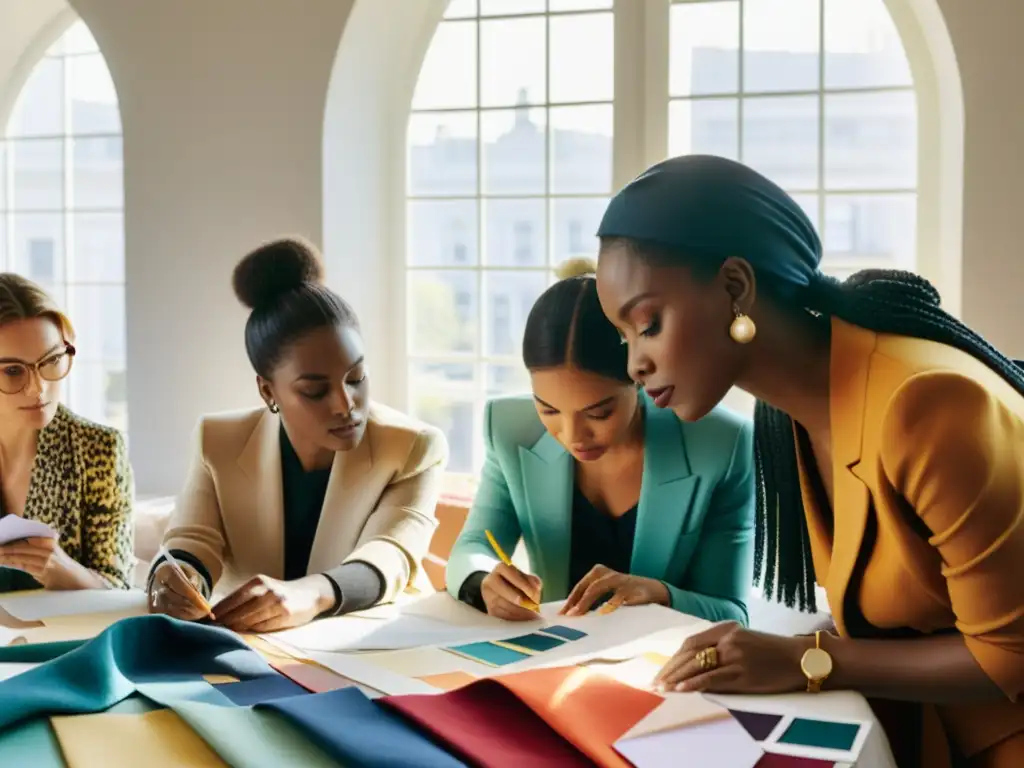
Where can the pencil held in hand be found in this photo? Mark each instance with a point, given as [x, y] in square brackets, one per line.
[183, 585]
[526, 585]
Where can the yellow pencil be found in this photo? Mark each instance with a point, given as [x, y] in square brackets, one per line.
[526, 603]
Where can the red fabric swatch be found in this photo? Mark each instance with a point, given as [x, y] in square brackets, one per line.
[771, 760]
[565, 716]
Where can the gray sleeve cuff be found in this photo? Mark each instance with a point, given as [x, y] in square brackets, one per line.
[357, 586]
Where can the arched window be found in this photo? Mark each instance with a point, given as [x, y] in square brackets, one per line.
[510, 162]
[511, 154]
[61, 211]
[818, 96]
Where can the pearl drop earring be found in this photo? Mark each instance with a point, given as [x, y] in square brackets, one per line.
[742, 330]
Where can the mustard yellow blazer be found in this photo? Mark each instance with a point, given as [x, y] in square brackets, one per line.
[928, 467]
[379, 506]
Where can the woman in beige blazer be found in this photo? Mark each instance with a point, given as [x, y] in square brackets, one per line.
[320, 503]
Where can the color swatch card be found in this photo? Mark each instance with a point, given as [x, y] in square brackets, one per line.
[500, 653]
[832, 741]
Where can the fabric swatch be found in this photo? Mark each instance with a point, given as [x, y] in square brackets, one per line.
[31, 744]
[489, 653]
[261, 689]
[535, 643]
[449, 681]
[771, 760]
[566, 633]
[221, 679]
[244, 736]
[758, 724]
[109, 668]
[158, 739]
[367, 727]
[820, 733]
[562, 716]
[39, 652]
[312, 677]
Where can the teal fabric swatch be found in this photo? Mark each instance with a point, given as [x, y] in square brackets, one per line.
[32, 743]
[821, 733]
[248, 738]
[37, 653]
[109, 668]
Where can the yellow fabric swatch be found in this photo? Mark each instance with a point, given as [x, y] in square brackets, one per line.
[158, 739]
[219, 679]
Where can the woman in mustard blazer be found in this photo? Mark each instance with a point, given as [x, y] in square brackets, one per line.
[890, 454]
[320, 503]
[612, 496]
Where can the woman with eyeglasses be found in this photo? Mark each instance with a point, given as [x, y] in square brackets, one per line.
[55, 467]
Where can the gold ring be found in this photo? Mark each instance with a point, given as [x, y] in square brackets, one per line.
[707, 658]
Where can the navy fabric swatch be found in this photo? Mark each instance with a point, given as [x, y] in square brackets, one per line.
[261, 689]
[370, 736]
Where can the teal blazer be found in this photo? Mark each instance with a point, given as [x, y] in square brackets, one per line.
[695, 522]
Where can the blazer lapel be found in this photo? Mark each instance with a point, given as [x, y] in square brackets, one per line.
[350, 498]
[547, 470]
[260, 461]
[851, 348]
[666, 494]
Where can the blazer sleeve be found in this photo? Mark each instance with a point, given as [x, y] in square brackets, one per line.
[720, 576]
[492, 511]
[398, 531]
[196, 527]
[953, 451]
[108, 533]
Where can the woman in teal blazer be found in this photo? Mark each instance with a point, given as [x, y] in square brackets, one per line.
[612, 496]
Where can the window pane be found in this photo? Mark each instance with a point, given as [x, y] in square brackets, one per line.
[93, 99]
[513, 151]
[862, 46]
[507, 380]
[442, 154]
[441, 233]
[871, 141]
[780, 139]
[509, 299]
[515, 232]
[448, 76]
[513, 60]
[581, 150]
[99, 392]
[4, 266]
[39, 110]
[38, 251]
[574, 222]
[460, 9]
[582, 57]
[38, 169]
[780, 45]
[97, 312]
[78, 39]
[872, 230]
[98, 173]
[510, 7]
[578, 5]
[704, 126]
[98, 255]
[443, 394]
[444, 311]
[704, 45]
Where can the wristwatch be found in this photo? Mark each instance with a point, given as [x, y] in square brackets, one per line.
[816, 664]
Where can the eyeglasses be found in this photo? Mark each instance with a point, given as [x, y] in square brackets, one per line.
[15, 375]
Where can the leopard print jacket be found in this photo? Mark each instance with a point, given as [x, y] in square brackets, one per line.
[82, 487]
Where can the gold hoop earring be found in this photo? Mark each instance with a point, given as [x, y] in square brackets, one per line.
[274, 407]
[742, 330]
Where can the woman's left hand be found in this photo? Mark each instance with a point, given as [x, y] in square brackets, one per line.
[264, 604]
[45, 561]
[624, 588]
[747, 662]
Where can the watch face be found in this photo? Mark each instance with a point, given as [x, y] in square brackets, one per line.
[816, 664]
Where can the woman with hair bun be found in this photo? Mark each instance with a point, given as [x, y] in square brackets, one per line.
[322, 502]
[614, 499]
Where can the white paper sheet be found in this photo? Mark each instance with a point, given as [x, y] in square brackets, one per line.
[8, 635]
[371, 676]
[14, 528]
[12, 669]
[46, 605]
[722, 743]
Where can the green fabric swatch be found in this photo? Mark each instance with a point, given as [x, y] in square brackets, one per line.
[32, 743]
[247, 738]
[821, 733]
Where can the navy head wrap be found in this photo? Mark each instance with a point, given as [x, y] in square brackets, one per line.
[707, 207]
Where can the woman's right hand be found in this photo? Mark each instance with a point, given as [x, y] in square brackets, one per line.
[174, 596]
[511, 594]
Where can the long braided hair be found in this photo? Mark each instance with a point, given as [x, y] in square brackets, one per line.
[696, 210]
[884, 301]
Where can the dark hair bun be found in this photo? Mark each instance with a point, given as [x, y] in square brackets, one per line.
[274, 269]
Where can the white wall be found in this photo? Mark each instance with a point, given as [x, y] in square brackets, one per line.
[223, 113]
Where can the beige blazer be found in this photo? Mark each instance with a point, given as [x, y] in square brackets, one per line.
[379, 507]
